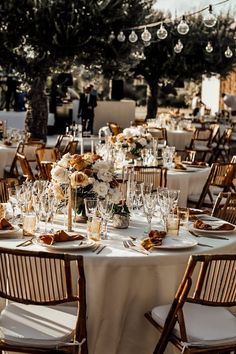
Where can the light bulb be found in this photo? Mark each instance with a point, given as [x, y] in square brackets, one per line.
[111, 37]
[133, 37]
[121, 37]
[209, 20]
[178, 47]
[146, 35]
[162, 32]
[209, 48]
[228, 53]
[183, 27]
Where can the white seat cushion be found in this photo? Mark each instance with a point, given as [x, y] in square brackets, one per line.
[44, 326]
[204, 324]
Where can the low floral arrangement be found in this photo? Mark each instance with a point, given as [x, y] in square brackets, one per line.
[134, 140]
[88, 174]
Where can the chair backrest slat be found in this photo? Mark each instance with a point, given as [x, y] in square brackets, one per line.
[36, 277]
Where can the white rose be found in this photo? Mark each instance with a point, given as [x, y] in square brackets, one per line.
[101, 188]
[100, 165]
[64, 161]
[105, 176]
[60, 174]
[115, 195]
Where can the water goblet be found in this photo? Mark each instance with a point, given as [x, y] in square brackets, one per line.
[91, 205]
[149, 207]
[105, 208]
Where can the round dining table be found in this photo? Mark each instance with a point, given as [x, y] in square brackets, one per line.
[123, 283]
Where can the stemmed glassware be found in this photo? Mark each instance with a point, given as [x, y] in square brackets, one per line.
[167, 201]
[105, 208]
[149, 207]
[91, 205]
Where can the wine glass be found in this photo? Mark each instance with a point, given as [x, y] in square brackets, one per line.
[91, 205]
[105, 208]
[149, 207]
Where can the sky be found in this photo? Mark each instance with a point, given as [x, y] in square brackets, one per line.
[184, 6]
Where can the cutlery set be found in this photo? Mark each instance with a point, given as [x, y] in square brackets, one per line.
[98, 248]
[132, 246]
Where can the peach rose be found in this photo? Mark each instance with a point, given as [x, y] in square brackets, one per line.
[79, 179]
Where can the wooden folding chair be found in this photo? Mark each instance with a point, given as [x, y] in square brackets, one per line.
[25, 167]
[38, 284]
[225, 207]
[154, 176]
[201, 142]
[199, 320]
[114, 128]
[159, 134]
[4, 195]
[45, 158]
[62, 142]
[219, 179]
[71, 147]
[222, 149]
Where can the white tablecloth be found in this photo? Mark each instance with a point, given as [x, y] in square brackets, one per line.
[7, 154]
[187, 182]
[179, 138]
[123, 284]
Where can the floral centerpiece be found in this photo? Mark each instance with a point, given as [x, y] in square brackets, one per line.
[134, 140]
[88, 174]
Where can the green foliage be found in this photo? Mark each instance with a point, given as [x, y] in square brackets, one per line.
[121, 209]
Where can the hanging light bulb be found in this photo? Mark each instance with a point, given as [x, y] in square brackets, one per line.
[121, 37]
[228, 53]
[209, 47]
[183, 27]
[133, 37]
[178, 47]
[162, 32]
[111, 37]
[210, 19]
[146, 35]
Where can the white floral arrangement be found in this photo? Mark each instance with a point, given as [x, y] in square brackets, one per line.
[88, 173]
[133, 139]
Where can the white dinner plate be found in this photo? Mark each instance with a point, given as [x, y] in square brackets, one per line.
[175, 243]
[8, 232]
[69, 245]
[213, 231]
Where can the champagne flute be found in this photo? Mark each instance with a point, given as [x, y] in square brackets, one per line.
[105, 208]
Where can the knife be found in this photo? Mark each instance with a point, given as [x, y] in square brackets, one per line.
[204, 245]
[140, 250]
[209, 236]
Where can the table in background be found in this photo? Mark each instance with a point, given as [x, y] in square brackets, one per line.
[179, 138]
[123, 284]
[187, 182]
[7, 154]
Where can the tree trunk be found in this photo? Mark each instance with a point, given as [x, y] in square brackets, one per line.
[152, 100]
[37, 112]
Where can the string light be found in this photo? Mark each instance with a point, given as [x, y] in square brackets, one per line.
[183, 27]
[133, 37]
[112, 36]
[162, 32]
[146, 35]
[121, 37]
[209, 48]
[228, 53]
[209, 20]
[178, 47]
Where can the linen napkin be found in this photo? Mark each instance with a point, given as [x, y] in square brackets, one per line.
[59, 236]
[5, 225]
[199, 224]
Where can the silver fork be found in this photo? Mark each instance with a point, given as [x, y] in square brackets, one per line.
[132, 246]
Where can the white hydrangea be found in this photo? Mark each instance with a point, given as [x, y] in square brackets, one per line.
[142, 141]
[101, 188]
[115, 195]
[105, 176]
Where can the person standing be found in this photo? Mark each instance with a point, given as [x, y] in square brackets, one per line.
[196, 105]
[88, 102]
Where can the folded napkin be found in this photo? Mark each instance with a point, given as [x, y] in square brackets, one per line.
[180, 166]
[59, 236]
[199, 224]
[154, 238]
[5, 225]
